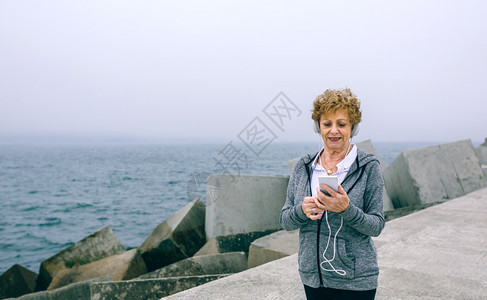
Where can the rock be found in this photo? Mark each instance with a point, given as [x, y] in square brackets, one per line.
[75, 291]
[17, 281]
[147, 288]
[231, 243]
[226, 263]
[100, 244]
[177, 238]
[104, 288]
[366, 146]
[273, 246]
[481, 152]
[245, 203]
[433, 174]
[484, 170]
[122, 266]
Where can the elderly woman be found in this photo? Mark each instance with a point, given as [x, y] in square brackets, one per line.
[337, 257]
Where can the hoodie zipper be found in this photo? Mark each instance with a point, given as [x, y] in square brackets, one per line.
[318, 251]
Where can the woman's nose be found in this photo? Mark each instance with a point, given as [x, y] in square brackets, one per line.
[334, 129]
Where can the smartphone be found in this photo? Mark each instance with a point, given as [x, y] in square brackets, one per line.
[331, 181]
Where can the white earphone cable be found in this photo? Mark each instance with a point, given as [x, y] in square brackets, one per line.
[333, 269]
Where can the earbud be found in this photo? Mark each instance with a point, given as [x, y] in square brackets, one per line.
[355, 129]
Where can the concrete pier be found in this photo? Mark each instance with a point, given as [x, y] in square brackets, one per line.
[437, 253]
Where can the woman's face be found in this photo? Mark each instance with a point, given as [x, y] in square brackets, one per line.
[336, 129]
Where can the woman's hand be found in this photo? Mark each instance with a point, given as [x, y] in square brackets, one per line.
[337, 201]
[310, 209]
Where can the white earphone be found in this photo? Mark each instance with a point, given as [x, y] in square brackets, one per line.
[355, 129]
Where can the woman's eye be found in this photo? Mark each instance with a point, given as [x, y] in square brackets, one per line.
[326, 124]
[342, 125]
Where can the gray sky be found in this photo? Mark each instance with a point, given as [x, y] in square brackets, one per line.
[203, 70]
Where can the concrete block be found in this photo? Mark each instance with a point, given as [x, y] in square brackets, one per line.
[231, 243]
[273, 246]
[144, 289]
[177, 238]
[367, 146]
[481, 152]
[226, 263]
[122, 266]
[100, 244]
[386, 201]
[432, 174]
[246, 203]
[17, 281]
[75, 291]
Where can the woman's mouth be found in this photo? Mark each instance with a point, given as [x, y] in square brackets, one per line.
[334, 139]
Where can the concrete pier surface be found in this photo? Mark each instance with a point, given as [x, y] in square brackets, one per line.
[437, 253]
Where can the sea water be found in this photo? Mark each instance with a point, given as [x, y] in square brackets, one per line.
[53, 195]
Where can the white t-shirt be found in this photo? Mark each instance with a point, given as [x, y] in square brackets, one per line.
[342, 168]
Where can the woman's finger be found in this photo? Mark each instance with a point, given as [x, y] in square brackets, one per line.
[342, 191]
[320, 205]
[322, 197]
[330, 191]
[314, 217]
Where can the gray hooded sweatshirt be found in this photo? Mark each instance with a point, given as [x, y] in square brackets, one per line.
[350, 261]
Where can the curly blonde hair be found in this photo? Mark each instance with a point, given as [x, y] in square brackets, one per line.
[333, 100]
